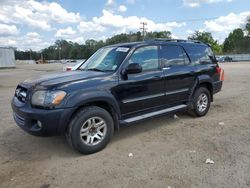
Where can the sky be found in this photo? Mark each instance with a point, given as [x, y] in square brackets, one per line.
[30, 24]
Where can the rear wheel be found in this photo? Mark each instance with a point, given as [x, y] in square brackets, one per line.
[90, 130]
[200, 102]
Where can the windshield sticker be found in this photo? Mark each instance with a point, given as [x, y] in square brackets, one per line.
[122, 49]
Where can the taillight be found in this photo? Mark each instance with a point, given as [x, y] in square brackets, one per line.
[68, 69]
[220, 71]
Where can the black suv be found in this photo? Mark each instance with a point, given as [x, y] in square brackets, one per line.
[119, 84]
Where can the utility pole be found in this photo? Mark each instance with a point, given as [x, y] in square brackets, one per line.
[30, 54]
[144, 29]
[59, 51]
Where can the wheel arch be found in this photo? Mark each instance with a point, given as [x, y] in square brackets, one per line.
[202, 81]
[102, 103]
[209, 86]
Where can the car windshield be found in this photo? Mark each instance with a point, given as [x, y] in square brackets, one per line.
[106, 59]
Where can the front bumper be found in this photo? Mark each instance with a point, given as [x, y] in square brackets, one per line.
[54, 122]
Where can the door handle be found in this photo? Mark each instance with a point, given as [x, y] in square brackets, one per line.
[165, 68]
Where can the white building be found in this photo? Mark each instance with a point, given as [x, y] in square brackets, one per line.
[7, 57]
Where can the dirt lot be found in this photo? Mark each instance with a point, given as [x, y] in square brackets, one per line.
[167, 152]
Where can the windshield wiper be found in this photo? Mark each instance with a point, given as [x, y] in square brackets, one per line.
[95, 69]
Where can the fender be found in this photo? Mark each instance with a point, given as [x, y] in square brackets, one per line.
[76, 100]
[204, 78]
[200, 80]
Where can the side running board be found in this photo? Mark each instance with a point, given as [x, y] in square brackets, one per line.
[151, 114]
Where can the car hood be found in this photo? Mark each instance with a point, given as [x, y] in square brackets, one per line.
[62, 77]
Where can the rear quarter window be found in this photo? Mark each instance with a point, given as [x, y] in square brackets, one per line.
[200, 54]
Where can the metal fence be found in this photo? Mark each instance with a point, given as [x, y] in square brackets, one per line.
[236, 57]
[7, 58]
[25, 61]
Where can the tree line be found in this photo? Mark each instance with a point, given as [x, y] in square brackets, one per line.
[237, 42]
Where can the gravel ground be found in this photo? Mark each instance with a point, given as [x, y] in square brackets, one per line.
[167, 152]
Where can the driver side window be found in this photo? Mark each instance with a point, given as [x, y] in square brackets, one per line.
[147, 57]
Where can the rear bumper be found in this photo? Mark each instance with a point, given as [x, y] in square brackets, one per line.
[53, 122]
[217, 86]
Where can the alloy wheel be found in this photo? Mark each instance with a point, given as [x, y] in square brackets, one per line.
[93, 131]
[202, 102]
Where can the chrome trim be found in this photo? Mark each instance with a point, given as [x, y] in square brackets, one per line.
[23, 94]
[166, 68]
[143, 98]
[129, 120]
[177, 91]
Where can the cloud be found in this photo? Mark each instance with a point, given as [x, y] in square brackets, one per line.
[110, 2]
[61, 15]
[174, 36]
[79, 40]
[65, 32]
[189, 31]
[30, 40]
[36, 14]
[33, 35]
[110, 21]
[89, 27]
[113, 6]
[131, 1]
[122, 8]
[7, 42]
[226, 24]
[197, 3]
[109, 24]
[8, 30]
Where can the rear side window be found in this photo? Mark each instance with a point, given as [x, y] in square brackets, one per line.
[173, 56]
[200, 54]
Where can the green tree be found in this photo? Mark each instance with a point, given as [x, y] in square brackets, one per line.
[63, 49]
[207, 37]
[248, 26]
[235, 42]
[118, 39]
[161, 34]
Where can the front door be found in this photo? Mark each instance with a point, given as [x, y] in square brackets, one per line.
[142, 91]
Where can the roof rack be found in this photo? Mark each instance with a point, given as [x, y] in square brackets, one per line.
[177, 40]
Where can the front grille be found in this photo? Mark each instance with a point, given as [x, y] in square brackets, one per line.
[21, 93]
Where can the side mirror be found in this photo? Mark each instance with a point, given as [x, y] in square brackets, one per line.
[133, 68]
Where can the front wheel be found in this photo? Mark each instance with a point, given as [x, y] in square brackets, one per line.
[200, 102]
[90, 130]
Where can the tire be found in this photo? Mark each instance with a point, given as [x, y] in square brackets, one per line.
[201, 97]
[90, 130]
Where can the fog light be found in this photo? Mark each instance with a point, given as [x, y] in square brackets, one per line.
[39, 124]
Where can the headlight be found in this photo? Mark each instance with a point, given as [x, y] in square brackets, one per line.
[47, 98]
[38, 98]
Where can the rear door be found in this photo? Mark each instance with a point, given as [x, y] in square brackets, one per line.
[178, 72]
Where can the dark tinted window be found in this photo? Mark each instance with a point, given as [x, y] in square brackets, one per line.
[174, 56]
[147, 57]
[200, 54]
